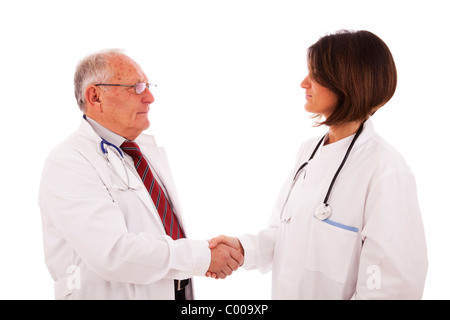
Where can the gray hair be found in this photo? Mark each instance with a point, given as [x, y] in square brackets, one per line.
[92, 69]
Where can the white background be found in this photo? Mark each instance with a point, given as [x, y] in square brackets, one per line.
[229, 110]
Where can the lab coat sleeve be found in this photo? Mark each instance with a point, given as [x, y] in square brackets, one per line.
[259, 248]
[79, 208]
[393, 259]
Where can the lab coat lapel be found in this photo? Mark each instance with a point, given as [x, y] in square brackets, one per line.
[87, 130]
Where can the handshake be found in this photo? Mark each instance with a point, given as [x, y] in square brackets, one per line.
[227, 255]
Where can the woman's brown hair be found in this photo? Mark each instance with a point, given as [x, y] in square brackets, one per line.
[359, 68]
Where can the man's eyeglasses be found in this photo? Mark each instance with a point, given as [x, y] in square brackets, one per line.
[139, 87]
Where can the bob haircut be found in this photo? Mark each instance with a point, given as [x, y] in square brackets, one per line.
[359, 68]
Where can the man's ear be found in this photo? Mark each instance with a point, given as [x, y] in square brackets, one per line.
[93, 98]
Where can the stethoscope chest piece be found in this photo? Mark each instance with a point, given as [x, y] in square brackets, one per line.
[323, 211]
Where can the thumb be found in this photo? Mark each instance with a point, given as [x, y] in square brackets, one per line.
[214, 242]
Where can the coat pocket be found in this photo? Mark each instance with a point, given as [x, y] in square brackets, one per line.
[330, 249]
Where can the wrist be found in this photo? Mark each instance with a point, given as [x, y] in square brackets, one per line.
[240, 247]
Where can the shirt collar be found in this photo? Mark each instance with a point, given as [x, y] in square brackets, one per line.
[105, 133]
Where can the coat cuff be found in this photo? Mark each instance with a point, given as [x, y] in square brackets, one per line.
[201, 255]
[249, 251]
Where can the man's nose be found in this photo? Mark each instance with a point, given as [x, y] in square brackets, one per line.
[148, 96]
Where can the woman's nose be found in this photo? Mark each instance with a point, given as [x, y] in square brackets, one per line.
[306, 83]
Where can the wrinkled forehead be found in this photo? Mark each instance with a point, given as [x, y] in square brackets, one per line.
[125, 69]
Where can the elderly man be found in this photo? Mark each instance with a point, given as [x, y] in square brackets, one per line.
[112, 224]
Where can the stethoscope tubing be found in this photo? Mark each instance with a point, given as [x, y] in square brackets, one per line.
[126, 180]
[102, 146]
[323, 211]
[327, 196]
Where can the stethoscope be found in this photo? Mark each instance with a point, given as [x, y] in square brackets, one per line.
[129, 178]
[323, 210]
[116, 161]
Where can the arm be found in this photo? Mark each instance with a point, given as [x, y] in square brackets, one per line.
[79, 212]
[256, 250]
[393, 260]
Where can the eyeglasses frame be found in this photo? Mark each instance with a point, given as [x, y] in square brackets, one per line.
[125, 85]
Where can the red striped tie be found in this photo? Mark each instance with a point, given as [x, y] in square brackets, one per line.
[168, 217]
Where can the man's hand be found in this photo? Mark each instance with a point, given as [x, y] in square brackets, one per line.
[235, 251]
[229, 241]
[224, 260]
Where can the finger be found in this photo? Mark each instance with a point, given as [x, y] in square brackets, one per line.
[212, 243]
[237, 256]
[227, 270]
[233, 264]
[221, 275]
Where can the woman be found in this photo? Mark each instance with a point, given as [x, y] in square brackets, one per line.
[347, 224]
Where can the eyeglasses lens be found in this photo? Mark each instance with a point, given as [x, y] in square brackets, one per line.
[140, 87]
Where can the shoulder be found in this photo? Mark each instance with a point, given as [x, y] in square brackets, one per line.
[81, 142]
[383, 156]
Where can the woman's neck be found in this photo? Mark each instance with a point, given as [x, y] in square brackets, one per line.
[338, 132]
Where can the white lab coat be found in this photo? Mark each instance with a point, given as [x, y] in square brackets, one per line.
[372, 246]
[103, 243]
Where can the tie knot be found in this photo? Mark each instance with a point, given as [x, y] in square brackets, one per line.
[131, 148]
